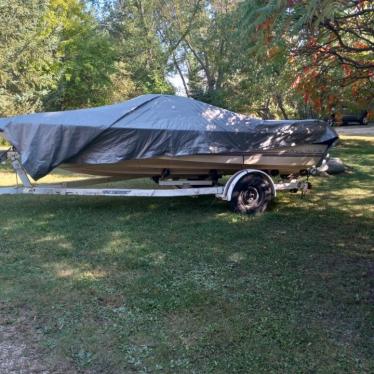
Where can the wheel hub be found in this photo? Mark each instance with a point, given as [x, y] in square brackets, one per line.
[250, 196]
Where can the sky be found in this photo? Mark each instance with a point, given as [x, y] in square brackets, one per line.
[177, 83]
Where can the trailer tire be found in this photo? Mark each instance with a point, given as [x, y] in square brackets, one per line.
[252, 194]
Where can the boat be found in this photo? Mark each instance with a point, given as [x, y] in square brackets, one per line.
[284, 161]
[165, 137]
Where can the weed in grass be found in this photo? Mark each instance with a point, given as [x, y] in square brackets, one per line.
[183, 285]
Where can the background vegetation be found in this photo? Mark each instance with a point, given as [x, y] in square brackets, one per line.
[270, 58]
[184, 286]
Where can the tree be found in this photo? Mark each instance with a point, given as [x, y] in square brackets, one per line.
[278, 58]
[132, 25]
[84, 57]
[25, 57]
[197, 34]
[332, 42]
[54, 56]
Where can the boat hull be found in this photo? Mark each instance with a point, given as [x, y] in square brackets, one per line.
[290, 160]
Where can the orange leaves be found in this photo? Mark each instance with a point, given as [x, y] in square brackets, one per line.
[314, 99]
[355, 88]
[273, 51]
[265, 27]
[347, 70]
[310, 72]
[296, 82]
[331, 100]
[306, 80]
[315, 58]
[312, 42]
[360, 45]
[311, 88]
[317, 103]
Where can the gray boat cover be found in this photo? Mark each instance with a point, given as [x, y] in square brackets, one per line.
[148, 126]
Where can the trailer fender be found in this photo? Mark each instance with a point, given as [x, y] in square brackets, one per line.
[230, 184]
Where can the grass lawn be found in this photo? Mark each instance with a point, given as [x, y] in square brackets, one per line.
[122, 285]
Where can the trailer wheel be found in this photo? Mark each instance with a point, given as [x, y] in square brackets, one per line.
[251, 195]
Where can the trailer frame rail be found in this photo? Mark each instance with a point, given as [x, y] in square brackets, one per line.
[179, 187]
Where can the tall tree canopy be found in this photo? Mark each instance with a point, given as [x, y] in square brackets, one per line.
[278, 58]
[24, 56]
[331, 42]
[53, 56]
[84, 57]
[133, 26]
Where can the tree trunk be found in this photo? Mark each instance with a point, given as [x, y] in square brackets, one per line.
[181, 74]
[279, 102]
[204, 66]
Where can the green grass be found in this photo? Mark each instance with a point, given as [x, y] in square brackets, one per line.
[183, 285]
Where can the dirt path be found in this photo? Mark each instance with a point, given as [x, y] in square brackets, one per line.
[21, 351]
[16, 356]
[356, 130]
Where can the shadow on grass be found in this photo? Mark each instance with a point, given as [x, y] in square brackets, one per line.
[189, 285]
[183, 285]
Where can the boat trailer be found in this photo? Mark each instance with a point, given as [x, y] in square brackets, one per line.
[247, 191]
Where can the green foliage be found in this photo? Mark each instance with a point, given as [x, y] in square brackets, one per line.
[24, 58]
[3, 142]
[206, 45]
[133, 27]
[86, 57]
[277, 58]
[331, 44]
[56, 55]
